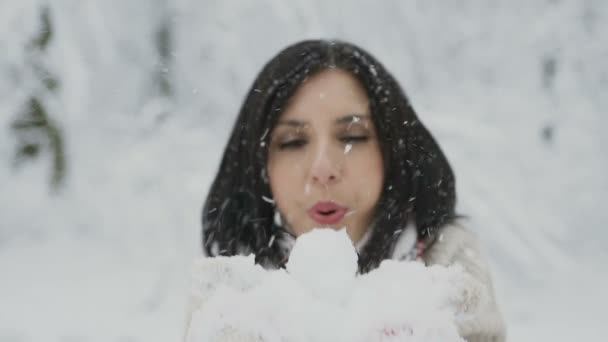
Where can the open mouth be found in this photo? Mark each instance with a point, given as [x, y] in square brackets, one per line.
[327, 212]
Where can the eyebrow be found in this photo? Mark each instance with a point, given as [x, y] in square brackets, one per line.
[352, 118]
[348, 119]
[293, 123]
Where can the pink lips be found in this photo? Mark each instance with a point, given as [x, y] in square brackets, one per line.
[327, 212]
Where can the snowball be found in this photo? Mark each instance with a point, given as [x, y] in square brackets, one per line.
[325, 261]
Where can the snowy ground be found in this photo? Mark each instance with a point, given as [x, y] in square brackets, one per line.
[107, 258]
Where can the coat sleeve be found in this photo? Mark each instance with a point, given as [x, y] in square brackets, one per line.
[457, 245]
[238, 273]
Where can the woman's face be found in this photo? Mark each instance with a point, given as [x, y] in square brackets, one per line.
[324, 164]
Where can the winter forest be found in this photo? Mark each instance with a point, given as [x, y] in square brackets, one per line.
[114, 116]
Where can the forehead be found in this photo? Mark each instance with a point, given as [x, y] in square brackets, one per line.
[327, 95]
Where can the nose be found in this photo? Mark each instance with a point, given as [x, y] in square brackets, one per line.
[325, 168]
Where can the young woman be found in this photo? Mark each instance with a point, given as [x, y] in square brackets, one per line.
[327, 138]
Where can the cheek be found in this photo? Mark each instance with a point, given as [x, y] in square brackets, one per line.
[286, 186]
[284, 182]
[367, 172]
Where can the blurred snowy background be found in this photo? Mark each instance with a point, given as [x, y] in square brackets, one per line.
[114, 115]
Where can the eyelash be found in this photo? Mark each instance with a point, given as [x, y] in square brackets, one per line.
[292, 144]
[297, 143]
[354, 139]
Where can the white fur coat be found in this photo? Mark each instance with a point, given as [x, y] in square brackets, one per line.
[458, 245]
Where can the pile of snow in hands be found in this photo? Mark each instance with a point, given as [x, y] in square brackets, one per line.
[319, 297]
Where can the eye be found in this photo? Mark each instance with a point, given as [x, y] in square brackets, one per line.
[353, 139]
[292, 144]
